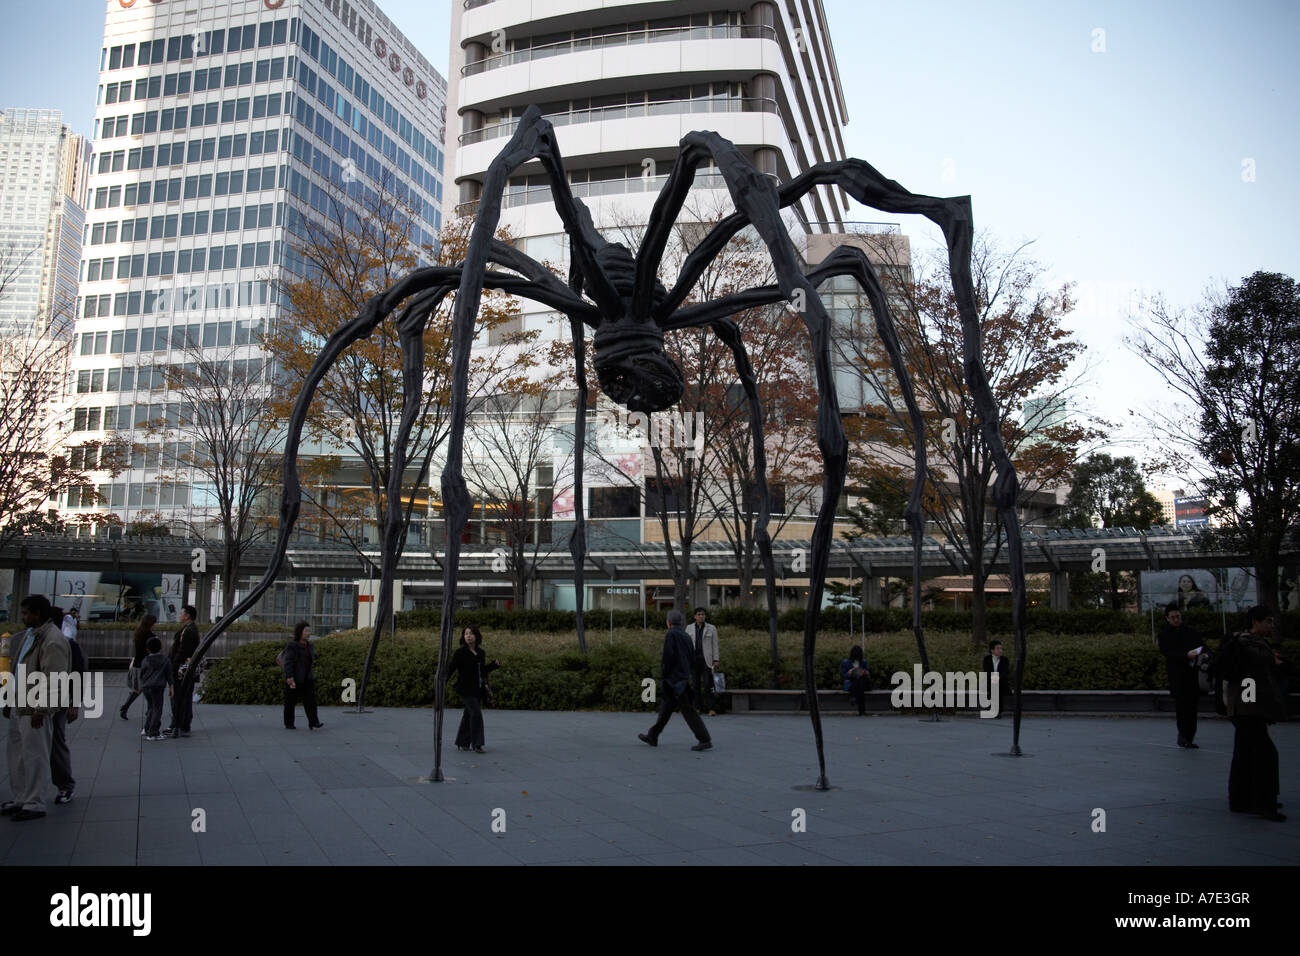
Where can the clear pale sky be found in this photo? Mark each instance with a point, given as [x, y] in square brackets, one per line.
[1119, 153]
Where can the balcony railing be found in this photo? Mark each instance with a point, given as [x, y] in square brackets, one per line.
[868, 228]
[628, 38]
[630, 111]
[604, 187]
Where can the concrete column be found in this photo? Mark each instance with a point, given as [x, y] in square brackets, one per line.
[761, 14]
[470, 191]
[762, 86]
[22, 586]
[765, 160]
[871, 592]
[699, 595]
[203, 596]
[1060, 591]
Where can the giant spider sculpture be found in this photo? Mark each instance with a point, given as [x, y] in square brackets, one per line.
[619, 297]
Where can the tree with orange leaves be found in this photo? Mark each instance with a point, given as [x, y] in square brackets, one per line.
[1031, 361]
[369, 244]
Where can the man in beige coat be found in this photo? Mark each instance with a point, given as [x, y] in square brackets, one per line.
[42, 647]
[704, 638]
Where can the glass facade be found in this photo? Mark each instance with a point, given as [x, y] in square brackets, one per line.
[219, 136]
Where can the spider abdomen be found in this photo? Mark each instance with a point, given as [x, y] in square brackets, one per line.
[632, 367]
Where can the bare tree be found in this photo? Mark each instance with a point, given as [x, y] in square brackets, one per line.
[1232, 365]
[367, 245]
[515, 445]
[37, 462]
[219, 428]
[1028, 354]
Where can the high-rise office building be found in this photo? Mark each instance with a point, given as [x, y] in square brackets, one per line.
[43, 168]
[221, 134]
[225, 133]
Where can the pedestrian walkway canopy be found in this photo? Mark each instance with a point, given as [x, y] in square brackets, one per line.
[1066, 550]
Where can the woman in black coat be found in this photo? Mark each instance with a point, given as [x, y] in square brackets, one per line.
[471, 667]
[300, 677]
[139, 645]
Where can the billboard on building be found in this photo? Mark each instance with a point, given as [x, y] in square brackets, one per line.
[1218, 589]
[1191, 512]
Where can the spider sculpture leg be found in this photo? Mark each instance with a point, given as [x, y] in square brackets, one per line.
[533, 139]
[540, 284]
[729, 333]
[411, 326]
[756, 199]
[375, 311]
[847, 260]
[428, 285]
[578, 539]
[953, 216]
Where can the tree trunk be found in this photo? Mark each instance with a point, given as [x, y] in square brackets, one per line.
[979, 611]
[745, 580]
[1266, 588]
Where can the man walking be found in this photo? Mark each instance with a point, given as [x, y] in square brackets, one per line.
[678, 658]
[1180, 646]
[184, 645]
[42, 647]
[706, 659]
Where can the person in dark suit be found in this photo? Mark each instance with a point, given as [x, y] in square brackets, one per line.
[300, 677]
[675, 670]
[1180, 645]
[471, 666]
[995, 663]
[856, 675]
[184, 644]
[1253, 696]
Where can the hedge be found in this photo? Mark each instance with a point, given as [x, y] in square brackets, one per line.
[877, 620]
[546, 671]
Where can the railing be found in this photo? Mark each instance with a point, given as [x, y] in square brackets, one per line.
[630, 37]
[869, 228]
[629, 111]
[604, 187]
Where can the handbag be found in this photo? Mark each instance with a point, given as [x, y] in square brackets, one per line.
[719, 682]
[486, 697]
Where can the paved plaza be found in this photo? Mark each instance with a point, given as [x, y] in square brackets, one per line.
[579, 788]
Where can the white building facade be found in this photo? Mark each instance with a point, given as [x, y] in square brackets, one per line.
[622, 83]
[43, 169]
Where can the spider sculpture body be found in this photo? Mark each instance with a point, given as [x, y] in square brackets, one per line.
[619, 297]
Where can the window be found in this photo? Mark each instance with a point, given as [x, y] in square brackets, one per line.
[615, 503]
[669, 494]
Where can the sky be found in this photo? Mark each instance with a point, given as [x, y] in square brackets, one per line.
[1142, 147]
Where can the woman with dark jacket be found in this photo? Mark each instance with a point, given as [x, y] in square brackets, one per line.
[471, 667]
[1253, 696]
[139, 650]
[300, 677]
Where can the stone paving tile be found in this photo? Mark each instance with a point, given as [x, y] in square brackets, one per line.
[579, 788]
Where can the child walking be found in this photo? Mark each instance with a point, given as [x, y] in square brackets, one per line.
[155, 677]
